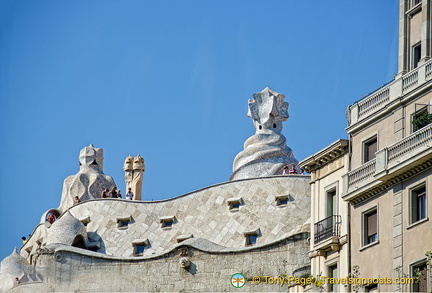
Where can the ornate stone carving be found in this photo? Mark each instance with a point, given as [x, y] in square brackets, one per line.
[184, 262]
[184, 251]
[335, 247]
[89, 182]
[266, 152]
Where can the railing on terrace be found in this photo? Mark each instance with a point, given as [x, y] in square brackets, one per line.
[362, 173]
[391, 155]
[381, 97]
[408, 144]
[327, 228]
[428, 71]
[409, 80]
[374, 101]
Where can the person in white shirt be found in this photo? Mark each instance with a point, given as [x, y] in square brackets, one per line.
[129, 195]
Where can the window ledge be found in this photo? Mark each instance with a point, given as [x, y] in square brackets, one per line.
[417, 223]
[369, 245]
[413, 10]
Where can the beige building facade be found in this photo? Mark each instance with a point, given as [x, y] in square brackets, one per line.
[388, 183]
[382, 177]
[329, 252]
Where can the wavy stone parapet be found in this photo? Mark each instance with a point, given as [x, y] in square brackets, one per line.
[204, 213]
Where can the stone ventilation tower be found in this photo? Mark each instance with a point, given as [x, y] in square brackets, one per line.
[134, 172]
[89, 182]
[265, 153]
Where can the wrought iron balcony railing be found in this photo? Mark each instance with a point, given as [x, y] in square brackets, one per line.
[327, 228]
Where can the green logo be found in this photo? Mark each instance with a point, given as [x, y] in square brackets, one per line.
[238, 280]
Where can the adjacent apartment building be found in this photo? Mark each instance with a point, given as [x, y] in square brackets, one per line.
[370, 193]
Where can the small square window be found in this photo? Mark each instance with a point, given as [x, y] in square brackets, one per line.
[139, 249]
[123, 222]
[252, 237]
[282, 200]
[418, 204]
[370, 227]
[139, 246]
[370, 148]
[167, 222]
[85, 221]
[234, 203]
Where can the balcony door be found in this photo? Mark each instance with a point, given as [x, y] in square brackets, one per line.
[331, 203]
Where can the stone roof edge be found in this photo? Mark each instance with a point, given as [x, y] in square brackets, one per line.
[189, 193]
[200, 244]
[310, 163]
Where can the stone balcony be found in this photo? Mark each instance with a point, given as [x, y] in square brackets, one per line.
[379, 101]
[392, 164]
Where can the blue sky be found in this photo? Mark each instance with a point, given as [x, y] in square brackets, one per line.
[170, 80]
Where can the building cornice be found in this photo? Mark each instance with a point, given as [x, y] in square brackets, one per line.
[380, 185]
[325, 156]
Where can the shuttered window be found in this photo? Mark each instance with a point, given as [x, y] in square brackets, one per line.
[371, 227]
[418, 204]
[370, 149]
